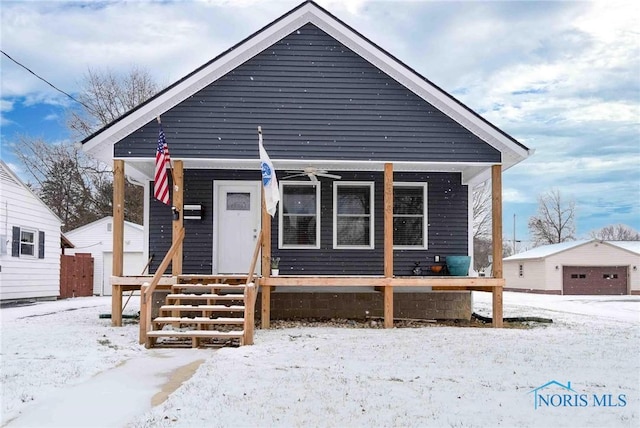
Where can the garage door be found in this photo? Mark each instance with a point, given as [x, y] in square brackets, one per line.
[610, 280]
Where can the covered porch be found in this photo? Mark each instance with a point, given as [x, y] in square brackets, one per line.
[384, 284]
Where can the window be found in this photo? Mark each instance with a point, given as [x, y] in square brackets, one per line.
[27, 242]
[410, 215]
[610, 276]
[352, 215]
[520, 271]
[300, 215]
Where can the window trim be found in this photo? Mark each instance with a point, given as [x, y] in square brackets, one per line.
[281, 244]
[34, 244]
[425, 214]
[364, 184]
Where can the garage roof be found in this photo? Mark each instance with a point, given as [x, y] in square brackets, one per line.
[548, 250]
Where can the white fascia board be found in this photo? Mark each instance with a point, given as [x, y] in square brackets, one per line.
[422, 88]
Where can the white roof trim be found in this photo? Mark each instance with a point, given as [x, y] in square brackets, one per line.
[101, 143]
[21, 183]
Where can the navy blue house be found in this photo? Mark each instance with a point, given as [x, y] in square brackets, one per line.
[334, 109]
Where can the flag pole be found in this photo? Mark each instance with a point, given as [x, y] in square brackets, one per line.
[173, 180]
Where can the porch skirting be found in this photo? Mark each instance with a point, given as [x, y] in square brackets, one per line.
[290, 305]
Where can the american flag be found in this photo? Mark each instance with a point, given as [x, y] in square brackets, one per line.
[161, 184]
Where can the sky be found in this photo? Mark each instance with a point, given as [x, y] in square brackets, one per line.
[81, 372]
[561, 77]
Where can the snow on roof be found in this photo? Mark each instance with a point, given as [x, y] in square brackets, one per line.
[632, 246]
[548, 250]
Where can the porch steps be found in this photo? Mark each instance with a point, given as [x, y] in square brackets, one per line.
[201, 312]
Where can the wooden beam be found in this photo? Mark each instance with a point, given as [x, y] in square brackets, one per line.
[265, 314]
[178, 204]
[118, 238]
[250, 307]
[496, 219]
[388, 220]
[266, 239]
[388, 306]
[497, 307]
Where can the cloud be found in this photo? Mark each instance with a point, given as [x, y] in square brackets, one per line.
[561, 77]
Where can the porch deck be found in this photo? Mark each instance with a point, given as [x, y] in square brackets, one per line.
[381, 284]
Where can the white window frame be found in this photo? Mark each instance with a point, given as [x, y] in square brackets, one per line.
[35, 243]
[425, 215]
[365, 184]
[281, 244]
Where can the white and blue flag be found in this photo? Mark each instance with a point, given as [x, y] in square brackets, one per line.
[269, 180]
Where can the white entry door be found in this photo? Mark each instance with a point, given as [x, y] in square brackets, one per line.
[237, 225]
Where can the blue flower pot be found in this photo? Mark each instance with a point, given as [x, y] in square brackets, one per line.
[458, 265]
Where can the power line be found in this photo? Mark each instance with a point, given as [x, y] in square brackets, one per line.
[45, 80]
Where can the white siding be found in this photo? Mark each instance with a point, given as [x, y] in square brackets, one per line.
[97, 238]
[26, 277]
[533, 274]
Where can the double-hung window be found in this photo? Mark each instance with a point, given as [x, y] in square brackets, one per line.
[27, 242]
[299, 215]
[410, 215]
[352, 215]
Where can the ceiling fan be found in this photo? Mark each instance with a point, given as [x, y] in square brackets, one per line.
[313, 173]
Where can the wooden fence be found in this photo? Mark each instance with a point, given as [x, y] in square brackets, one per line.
[76, 275]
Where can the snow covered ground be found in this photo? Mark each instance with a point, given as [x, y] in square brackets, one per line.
[64, 366]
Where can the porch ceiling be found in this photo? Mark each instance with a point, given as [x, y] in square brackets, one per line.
[472, 173]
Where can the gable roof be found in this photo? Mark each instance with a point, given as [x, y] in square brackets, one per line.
[8, 174]
[100, 144]
[102, 221]
[552, 249]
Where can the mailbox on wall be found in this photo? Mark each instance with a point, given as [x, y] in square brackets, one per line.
[192, 212]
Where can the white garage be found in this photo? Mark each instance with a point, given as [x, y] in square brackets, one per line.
[590, 267]
[97, 238]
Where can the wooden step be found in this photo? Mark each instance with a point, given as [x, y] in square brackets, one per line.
[198, 320]
[208, 288]
[205, 296]
[238, 334]
[210, 308]
[194, 335]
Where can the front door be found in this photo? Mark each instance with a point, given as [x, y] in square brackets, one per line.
[236, 222]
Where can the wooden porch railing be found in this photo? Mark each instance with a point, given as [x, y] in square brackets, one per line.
[250, 295]
[147, 291]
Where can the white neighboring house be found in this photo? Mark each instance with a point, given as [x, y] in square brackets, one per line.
[588, 267]
[97, 238]
[29, 243]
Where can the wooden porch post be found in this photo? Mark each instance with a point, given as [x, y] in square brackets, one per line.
[118, 240]
[178, 203]
[265, 315]
[388, 243]
[496, 219]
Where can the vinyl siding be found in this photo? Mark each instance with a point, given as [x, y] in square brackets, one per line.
[447, 230]
[28, 277]
[311, 95]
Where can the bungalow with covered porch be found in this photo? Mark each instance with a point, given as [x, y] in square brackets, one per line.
[376, 167]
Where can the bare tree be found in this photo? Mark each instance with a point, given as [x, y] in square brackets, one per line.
[106, 96]
[77, 188]
[64, 178]
[617, 232]
[482, 211]
[555, 219]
